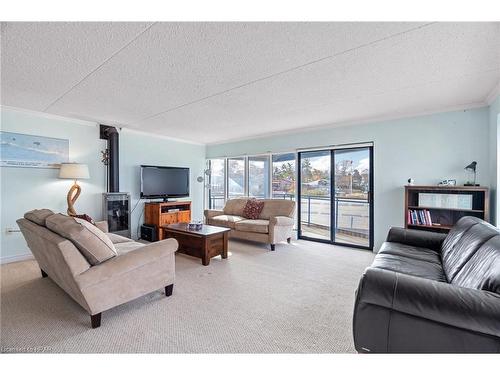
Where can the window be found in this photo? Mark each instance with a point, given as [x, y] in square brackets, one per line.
[216, 189]
[236, 177]
[258, 176]
[283, 185]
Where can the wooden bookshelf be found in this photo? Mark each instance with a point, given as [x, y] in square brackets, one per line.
[442, 208]
[443, 218]
[433, 227]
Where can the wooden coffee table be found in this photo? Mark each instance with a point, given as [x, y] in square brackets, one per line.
[206, 243]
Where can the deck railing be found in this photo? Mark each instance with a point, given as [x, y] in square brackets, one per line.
[351, 214]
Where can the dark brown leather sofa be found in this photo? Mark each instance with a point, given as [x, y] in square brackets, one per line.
[432, 293]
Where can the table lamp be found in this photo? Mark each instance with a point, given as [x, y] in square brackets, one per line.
[73, 171]
[471, 169]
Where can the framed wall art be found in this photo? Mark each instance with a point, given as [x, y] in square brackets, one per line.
[32, 151]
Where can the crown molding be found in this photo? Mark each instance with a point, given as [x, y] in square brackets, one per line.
[156, 135]
[94, 123]
[489, 99]
[493, 94]
[50, 116]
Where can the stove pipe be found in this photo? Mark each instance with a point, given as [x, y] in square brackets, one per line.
[110, 133]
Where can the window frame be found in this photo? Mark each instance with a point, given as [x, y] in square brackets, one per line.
[208, 186]
[245, 175]
[296, 153]
[269, 188]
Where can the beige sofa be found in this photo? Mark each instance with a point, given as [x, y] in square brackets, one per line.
[133, 270]
[274, 224]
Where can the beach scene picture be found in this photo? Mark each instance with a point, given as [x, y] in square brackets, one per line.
[31, 151]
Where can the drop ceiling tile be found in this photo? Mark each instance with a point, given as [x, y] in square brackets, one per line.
[219, 120]
[209, 82]
[178, 63]
[423, 63]
[42, 60]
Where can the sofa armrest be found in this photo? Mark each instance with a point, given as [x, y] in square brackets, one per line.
[280, 228]
[465, 308]
[281, 221]
[211, 213]
[128, 262]
[102, 225]
[418, 238]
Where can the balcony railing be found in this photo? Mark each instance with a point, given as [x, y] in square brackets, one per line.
[352, 215]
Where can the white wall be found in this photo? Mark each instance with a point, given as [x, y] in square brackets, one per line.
[23, 189]
[427, 148]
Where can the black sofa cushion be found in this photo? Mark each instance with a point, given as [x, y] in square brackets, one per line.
[403, 253]
[482, 271]
[413, 252]
[413, 237]
[456, 233]
[410, 266]
[465, 242]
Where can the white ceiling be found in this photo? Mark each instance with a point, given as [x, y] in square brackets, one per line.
[213, 82]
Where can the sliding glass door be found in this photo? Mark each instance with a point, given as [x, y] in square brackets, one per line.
[352, 196]
[335, 190]
[315, 195]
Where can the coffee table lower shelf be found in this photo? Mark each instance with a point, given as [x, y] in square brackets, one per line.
[205, 244]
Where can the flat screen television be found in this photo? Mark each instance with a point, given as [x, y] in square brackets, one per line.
[164, 182]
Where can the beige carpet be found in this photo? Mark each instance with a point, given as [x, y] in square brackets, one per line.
[298, 299]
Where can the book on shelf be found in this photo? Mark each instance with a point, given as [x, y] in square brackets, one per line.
[419, 217]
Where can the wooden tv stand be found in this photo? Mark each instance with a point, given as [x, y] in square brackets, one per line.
[161, 213]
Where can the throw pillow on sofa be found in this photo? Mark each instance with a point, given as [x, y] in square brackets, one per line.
[93, 243]
[252, 209]
[85, 217]
[38, 216]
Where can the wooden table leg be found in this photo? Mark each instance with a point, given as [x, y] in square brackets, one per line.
[205, 259]
[224, 246]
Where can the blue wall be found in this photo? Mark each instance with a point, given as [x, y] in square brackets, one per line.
[427, 148]
[23, 189]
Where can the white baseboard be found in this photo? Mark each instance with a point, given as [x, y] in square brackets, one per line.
[16, 258]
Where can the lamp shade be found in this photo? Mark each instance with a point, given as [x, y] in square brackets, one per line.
[471, 166]
[74, 171]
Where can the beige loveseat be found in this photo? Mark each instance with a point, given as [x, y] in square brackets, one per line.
[130, 271]
[274, 224]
